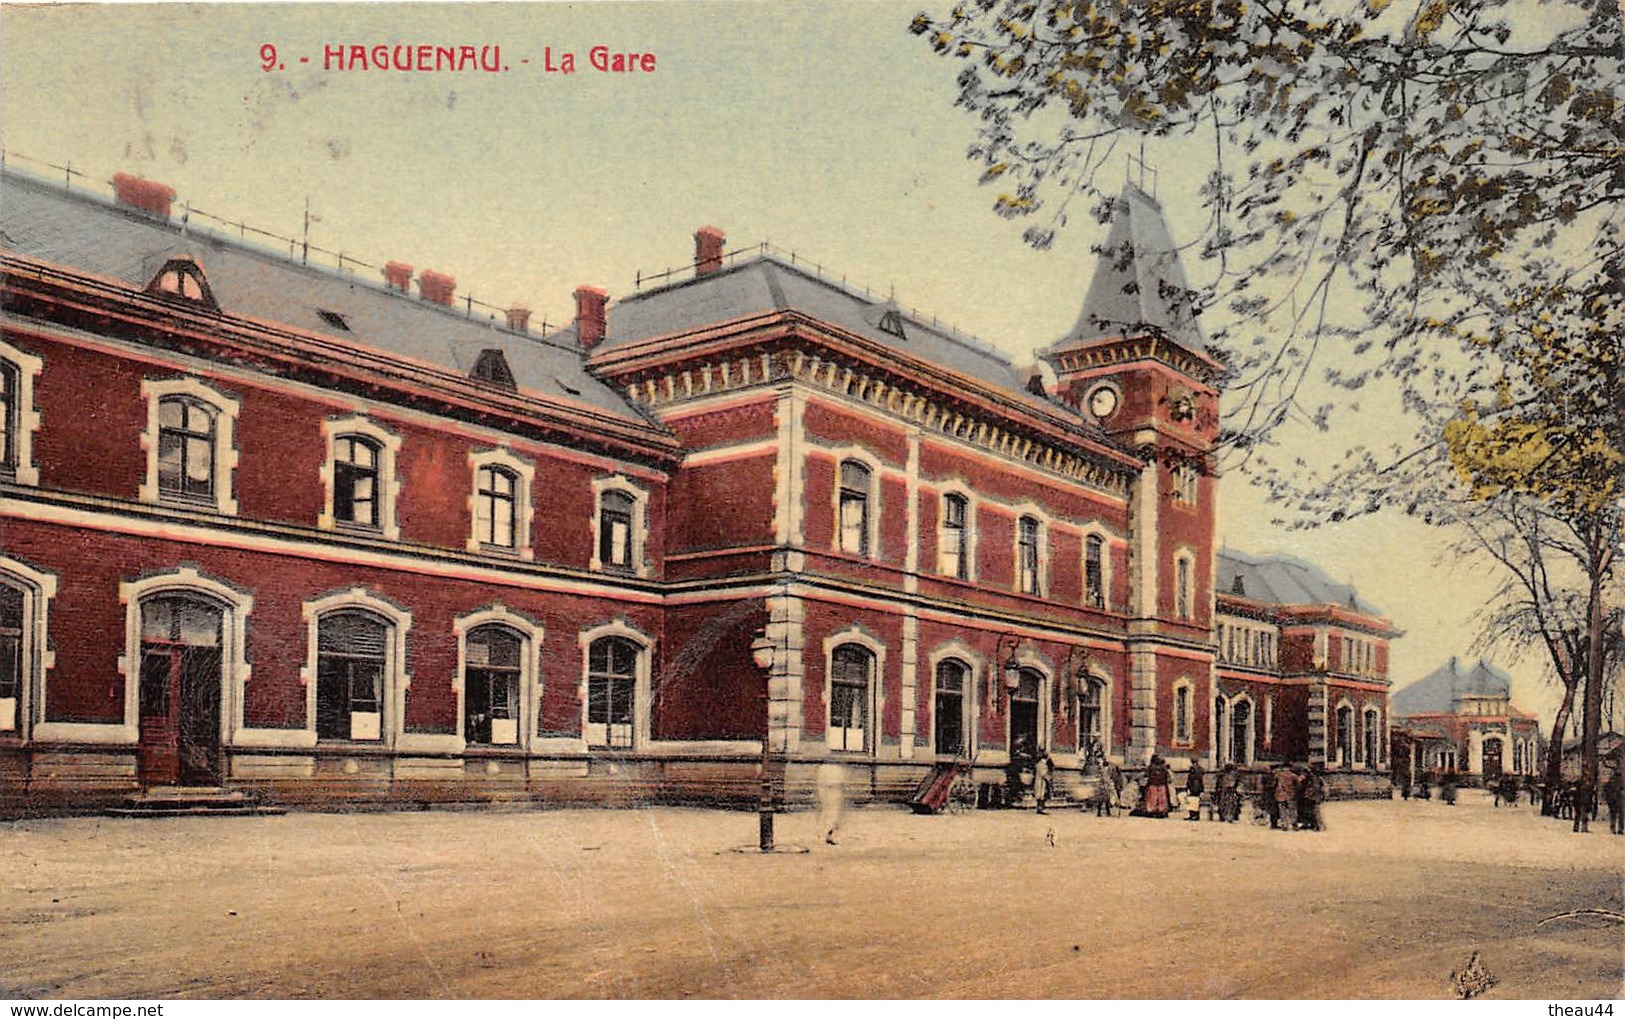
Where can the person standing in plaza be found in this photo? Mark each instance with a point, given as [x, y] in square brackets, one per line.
[1266, 792]
[1157, 778]
[1195, 786]
[1228, 786]
[1313, 797]
[1286, 798]
[1585, 804]
[831, 798]
[1613, 792]
[1043, 772]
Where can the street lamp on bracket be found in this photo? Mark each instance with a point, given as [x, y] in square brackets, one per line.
[1010, 667]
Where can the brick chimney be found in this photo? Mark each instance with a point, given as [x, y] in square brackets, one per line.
[519, 318]
[436, 287]
[708, 242]
[590, 320]
[140, 193]
[398, 276]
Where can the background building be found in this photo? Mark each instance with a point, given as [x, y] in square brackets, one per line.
[1463, 720]
[298, 530]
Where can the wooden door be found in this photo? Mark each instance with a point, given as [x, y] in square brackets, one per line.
[181, 664]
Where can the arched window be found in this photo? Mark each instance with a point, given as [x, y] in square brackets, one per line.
[1182, 713]
[186, 453]
[1094, 572]
[356, 477]
[1091, 717]
[1373, 737]
[851, 671]
[953, 550]
[496, 503]
[13, 624]
[1182, 587]
[352, 650]
[612, 674]
[615, 517]
[491, 685]
[952, 685]
[1345, 735]
[853, 508]
[1241, 732]
[1027, 579]
[9, 416]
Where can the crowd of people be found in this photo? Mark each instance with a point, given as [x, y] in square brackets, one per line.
[1573, 800]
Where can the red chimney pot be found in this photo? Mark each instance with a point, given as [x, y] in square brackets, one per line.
[436, 287]
[590, 317]
[398, 276]
[708, 242]
[140, 193]
[519, 318]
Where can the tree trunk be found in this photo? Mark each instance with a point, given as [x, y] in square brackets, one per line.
[1591, 716]
[1554, 749]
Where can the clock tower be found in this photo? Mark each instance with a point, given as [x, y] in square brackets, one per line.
[1136, 366]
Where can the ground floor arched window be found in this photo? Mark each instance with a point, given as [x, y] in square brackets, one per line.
[1345, 736]
[491, 685]
[612, 673]
[352, 649]
[851, 672]
[1241, 731]
[952, 683]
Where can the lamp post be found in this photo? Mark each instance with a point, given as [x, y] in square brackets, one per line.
[762, 651]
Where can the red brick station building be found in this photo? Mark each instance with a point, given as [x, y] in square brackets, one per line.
[306, 533]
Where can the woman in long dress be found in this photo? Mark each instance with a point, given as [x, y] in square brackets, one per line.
[1157, 778]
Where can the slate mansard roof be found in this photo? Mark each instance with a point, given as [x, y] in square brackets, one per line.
[90, 233]
[1284, 580]
[1439, 690]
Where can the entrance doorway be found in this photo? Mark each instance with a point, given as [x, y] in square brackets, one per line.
[1024, 701]
[1492, 761]
[180, 691]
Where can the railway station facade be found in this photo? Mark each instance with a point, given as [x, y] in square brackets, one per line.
[308, 533]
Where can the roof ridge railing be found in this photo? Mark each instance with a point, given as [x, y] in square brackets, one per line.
[683, 273]
[299, 249]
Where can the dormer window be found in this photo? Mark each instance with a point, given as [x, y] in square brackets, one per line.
[182, 279]
[492, 367]
[892, 322]
[334, 319]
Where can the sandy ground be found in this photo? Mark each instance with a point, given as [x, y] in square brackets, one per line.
[652, 903]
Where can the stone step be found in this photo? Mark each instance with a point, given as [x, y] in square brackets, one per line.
[251, 810]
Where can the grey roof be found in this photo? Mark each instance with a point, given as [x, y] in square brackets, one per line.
[1139, 281]
[1284, 580]
[1440, 689]
[83, 231]
[766, 284]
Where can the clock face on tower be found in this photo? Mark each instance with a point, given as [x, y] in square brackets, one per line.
[1102, 402]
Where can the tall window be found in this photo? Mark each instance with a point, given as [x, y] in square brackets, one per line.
[491, 686]
[1345, 735]
[1373, 738]
[1094, 572]
[950, 706]
[1182, 587]
[853, 517]
[495, 507]
[11, 656]
[351, 655]
[355, 481]
[8, 417]
[1027, 555]
[953, 555]
[186, 438]
[615, 530]
[1182, 714]
[612, 672]
[1241, 729]
[850, 669]
[1090, 727]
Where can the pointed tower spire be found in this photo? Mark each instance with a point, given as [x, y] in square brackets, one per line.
[1139, 284]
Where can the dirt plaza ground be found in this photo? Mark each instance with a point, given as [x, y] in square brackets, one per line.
[654, 904]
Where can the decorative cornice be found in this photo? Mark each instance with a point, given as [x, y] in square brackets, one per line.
[1147, 346]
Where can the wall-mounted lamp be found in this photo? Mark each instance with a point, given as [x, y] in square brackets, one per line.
[1010, 666]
